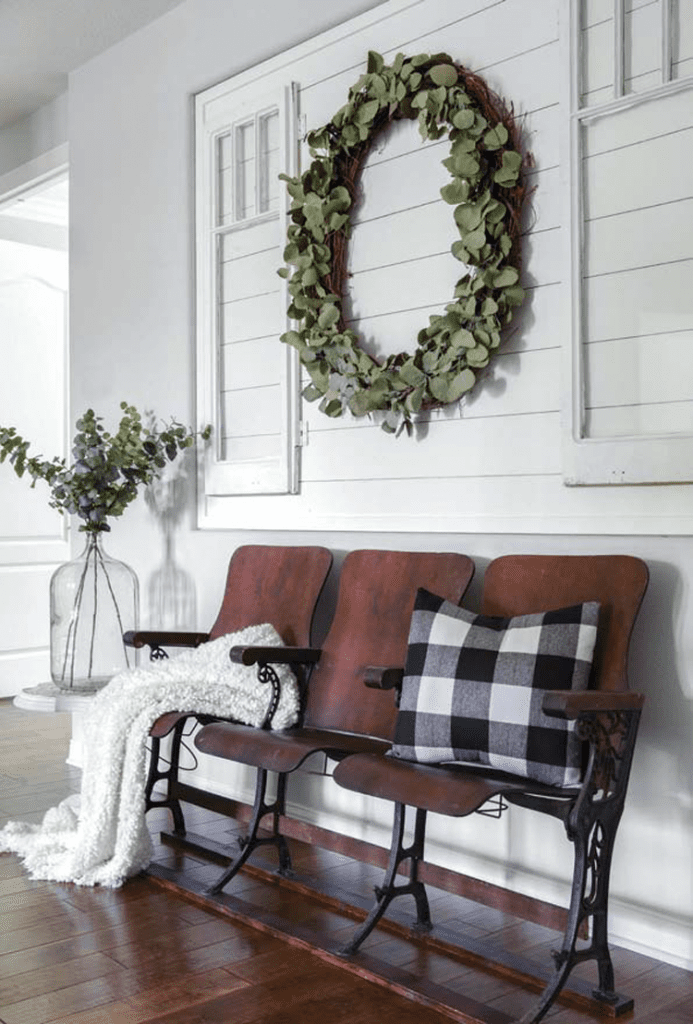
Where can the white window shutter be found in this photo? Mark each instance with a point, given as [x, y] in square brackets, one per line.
[247, 379]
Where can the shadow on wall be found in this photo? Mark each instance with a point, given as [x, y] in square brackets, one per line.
[171, 592]
[662, 765]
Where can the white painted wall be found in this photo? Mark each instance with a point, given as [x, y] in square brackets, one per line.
[35, 135]
[132, 338]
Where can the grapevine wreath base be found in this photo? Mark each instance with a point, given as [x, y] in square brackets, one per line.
[486, 190]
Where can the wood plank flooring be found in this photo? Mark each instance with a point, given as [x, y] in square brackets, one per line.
[145, 954]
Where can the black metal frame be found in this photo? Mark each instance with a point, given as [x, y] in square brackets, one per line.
[248, 843]
[591, 823]
[399, 853]
[161, 769]
[251, 840]
[591, 820]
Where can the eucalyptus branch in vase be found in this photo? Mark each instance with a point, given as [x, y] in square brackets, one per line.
[104, 477]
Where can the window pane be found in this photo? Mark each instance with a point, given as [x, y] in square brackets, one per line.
[638, 256]
[245, 170]
[269, 161]
[224, 170]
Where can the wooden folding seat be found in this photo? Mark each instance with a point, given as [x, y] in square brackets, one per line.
[370, 626]
[606, 716]
[264, 583]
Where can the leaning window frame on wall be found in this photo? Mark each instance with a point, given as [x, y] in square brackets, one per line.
[628, 459]
[263, 461]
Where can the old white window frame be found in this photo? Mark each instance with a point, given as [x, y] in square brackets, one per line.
[220, 110]
[666, 458]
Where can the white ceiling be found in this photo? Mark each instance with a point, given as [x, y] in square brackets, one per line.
[41, 41]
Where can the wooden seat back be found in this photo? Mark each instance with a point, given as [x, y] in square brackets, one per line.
[524, 584]
[371, 627]
[280, 585]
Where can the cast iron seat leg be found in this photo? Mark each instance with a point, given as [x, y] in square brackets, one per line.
[251, 840]
[169, 774]
[387, 892]
[566, 957]
[591, 826]
[593, 850]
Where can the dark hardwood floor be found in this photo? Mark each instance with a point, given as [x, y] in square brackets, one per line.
[146, 954]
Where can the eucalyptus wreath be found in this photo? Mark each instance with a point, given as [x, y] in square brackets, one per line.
[486, 188]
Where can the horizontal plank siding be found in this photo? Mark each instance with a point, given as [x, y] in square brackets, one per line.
[654, 235]
[498, 446]
[258, 316]
[640, 371]
[638, 172]
[649, 300]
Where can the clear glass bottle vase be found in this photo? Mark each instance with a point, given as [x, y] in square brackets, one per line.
[93, 600]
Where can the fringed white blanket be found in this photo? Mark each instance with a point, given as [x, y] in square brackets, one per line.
[100, 837]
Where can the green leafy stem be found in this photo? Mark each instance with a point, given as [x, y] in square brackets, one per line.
[107, 469]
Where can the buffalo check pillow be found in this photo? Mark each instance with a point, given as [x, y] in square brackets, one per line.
[473, 688]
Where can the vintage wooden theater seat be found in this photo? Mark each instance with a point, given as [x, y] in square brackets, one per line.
[466, 691]
[370, 626]
[264, 583]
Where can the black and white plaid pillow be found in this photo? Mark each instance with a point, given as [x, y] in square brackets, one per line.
[474, 684]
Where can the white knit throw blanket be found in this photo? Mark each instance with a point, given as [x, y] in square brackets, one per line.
[101, 836]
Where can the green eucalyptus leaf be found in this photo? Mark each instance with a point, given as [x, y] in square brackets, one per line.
[478, 356]
[465, 165]
[460, 384]
[377, 87]
[514, 296]
[329, 315]
[460, 253]
[509, 171]
[444, 75]
[292, 338]
[456, 192]
[505, 277]
[350, 135]
[496, 137]
[440, 386]
[367, 111]
[411, 374]
[463, 119]
[414, 400]
[468, 217]
[474, 240]
[462, 339]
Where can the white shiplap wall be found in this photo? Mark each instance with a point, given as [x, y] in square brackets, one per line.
[493, 462]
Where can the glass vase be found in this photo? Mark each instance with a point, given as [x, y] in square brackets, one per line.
[93, 600]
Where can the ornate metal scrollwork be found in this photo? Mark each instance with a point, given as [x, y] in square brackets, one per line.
[157, 653]
[608, 734]
[266, 674]
[594, 868]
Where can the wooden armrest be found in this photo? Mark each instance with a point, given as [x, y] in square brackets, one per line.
[275, 655]
[163, 638]
[378, 677]
[570, 704]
